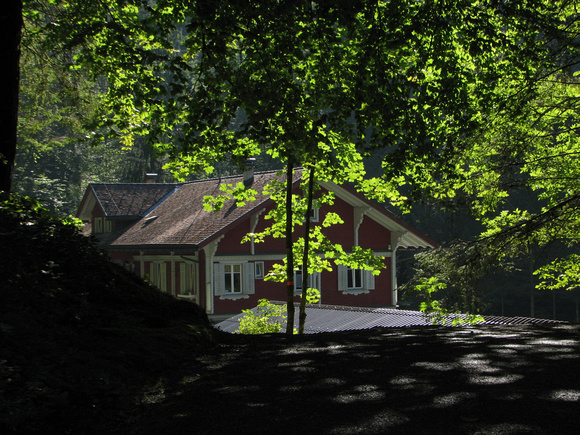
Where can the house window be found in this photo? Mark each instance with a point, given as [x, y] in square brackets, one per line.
[354, 278]
[233, 278]
[298, 280]
[355, 281]
[108, 226]
[187, 280]
[314, 214]
[98, 225]
[158, 274]
[313, 280]
[259, 270]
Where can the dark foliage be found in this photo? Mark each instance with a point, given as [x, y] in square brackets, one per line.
[79, 334]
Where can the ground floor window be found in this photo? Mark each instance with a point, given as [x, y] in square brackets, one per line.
[354, 278]
[233, 278]
[158, 274]
[187, 281]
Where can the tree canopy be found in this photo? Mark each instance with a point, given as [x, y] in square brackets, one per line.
[463, 100]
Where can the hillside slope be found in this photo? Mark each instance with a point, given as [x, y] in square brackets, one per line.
[77, 332]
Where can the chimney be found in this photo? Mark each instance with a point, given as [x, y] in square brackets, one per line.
[249, 171]
[151, 178]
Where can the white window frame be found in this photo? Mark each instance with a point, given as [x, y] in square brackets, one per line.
[367, 281]
[247, 280]
[314, 215]
[298, 280]
[352, 276]
[158, 274]
[229, 269]
[259, 270]
[313, 280]
[188, 287]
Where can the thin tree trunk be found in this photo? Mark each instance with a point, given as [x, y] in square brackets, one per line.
[10, 37]
[289, 252]
[306, 253]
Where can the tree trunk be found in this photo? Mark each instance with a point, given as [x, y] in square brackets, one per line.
[289, 252]
[306, 253]
[10, 36]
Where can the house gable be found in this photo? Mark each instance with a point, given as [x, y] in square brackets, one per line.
[164, 233]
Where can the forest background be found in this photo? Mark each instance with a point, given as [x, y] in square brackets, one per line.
[58, 155]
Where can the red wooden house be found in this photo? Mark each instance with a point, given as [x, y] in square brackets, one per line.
[162, 232]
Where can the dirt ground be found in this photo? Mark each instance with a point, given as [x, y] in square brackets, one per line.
[423, 380]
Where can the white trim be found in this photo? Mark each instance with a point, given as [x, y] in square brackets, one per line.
[355, 292]
[359, 215]
[394, 287]
[233, 296]
[254, 219]
[264, 257]
[409, 238]
[210, 250]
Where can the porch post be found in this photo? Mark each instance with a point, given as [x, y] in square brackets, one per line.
[210, 250]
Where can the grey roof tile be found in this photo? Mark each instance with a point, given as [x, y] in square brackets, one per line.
[326, 318]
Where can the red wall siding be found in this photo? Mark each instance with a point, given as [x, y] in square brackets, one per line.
[373, 235]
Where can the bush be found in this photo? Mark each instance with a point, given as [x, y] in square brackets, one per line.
[268, 318]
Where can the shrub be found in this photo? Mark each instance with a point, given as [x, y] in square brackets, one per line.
[268, 318]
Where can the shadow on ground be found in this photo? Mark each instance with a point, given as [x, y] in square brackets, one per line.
[481, 380]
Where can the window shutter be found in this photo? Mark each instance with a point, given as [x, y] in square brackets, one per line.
[369, 280]
[342, 278]
[249, 283]
[218, 279]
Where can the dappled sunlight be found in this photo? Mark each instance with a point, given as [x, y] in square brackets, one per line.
[364, 393]
[565, 395]
[452, 399]
[434, 366]
[375, 424]
[502, 379]
[494, 380]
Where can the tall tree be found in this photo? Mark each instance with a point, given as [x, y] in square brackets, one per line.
[10, 36]
[305, 81]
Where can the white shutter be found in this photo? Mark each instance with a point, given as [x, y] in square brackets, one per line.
[342, 277]
[218, 279]
[369, 280]
[249, 283]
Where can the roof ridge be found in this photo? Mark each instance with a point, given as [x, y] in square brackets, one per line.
[269, 171]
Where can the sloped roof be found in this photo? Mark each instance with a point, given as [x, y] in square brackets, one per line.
[129, 200]
[172, 215]
[327, 318]
[181, 219]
